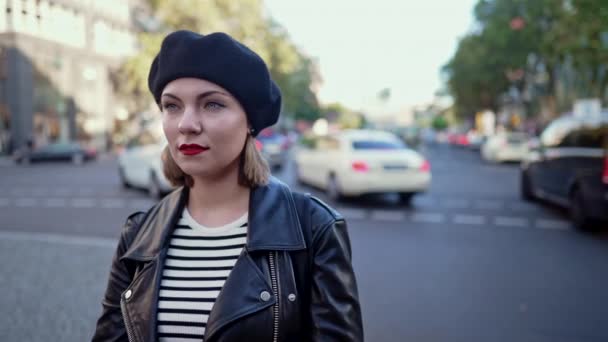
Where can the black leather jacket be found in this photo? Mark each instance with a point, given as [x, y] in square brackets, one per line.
[298, 250]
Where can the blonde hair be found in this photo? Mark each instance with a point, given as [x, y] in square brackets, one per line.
[253, 168]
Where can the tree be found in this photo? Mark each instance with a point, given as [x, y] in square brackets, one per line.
[244, 20]
[547, 42]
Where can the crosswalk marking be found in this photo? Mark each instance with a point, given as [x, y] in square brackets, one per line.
[468, 219]
[36, 198]
[511, 221]
[55, 202]
[427, 217]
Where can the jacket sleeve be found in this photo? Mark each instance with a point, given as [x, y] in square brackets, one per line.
[110, 325]
[336, 312]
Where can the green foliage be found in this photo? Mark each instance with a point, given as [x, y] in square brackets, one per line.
[294, 72]
[439, 123]
[559, 34]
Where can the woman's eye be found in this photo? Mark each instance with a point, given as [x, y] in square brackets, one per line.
[169, 106]
[213, 105]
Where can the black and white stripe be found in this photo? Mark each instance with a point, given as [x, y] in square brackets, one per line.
[198, 262]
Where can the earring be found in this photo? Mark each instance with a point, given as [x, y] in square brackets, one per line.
[251, 131]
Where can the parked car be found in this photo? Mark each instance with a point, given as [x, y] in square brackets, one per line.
[60, 151]
[140, 164]
[569, 167]
[356, 162]
[505, 147]
[274, 147]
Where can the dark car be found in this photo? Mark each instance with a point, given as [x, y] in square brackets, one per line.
[274, 147]
[569, 167]
[61, 151]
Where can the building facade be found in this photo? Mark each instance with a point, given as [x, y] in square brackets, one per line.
[55, 63]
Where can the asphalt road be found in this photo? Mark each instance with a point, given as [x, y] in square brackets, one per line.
[468, 261]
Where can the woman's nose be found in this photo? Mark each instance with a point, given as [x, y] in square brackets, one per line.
[190, 123]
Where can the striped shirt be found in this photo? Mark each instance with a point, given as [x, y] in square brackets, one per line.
[198, 263]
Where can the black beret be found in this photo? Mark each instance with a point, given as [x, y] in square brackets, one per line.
[220, 59]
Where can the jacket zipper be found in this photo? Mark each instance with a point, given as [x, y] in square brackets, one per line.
[274, 277]
[123, 309]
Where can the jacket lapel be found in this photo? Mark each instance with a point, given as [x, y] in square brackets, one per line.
[273, 219]
[240, 295]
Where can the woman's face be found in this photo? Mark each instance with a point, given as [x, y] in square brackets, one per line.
[205, 126]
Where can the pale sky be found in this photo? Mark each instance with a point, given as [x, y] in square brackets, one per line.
[365, 46]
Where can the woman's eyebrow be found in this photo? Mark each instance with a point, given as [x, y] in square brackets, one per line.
[200, 96]
[170, 95]
[209, 93]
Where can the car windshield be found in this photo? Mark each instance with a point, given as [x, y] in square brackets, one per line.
[378, 145]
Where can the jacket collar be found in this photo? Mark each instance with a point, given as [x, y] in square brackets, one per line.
[273, 222]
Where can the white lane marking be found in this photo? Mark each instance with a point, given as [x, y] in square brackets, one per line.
[83, 203]
[511, 221]
[488, 204]
[59, 239]
[112, 203]
[456, 203]
[4, 202]
[427, 217]
[553, 224]
[353, 214]
[468, 219]
[55, 202]
[26, 202]
[387, 215]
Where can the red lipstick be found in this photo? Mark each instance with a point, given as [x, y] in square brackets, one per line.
[192, 149]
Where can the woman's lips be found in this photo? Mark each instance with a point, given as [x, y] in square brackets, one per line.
[192, 149]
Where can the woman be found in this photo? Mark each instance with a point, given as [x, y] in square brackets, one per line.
[232, 254]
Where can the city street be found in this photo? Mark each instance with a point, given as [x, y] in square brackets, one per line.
[468, 261]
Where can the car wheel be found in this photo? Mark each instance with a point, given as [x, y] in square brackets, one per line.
[77, 159]
[526, 190]
[154, 189]
[406, 198]
[333, 188]
[578, 213]
[123, 179]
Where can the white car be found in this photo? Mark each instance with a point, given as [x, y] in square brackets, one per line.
[505, 147]
[356, 162]
[140, 165]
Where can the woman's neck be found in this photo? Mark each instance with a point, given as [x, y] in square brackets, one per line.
[219, 200]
